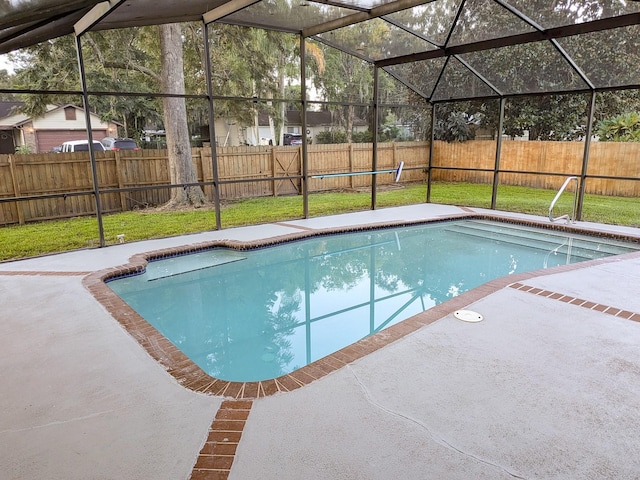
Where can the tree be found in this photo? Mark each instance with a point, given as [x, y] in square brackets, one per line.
[6, 82]
[271, 73]
[346, 79]
[460, 121]
[181, 166]
[547, 117]
[608, 58]
[457, 127]
[147, 59]
[114, 61]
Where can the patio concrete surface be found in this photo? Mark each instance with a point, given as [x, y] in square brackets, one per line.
[541, 388]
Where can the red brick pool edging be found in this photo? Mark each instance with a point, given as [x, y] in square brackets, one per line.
[194, 378]
[598, 307]
[218, 452]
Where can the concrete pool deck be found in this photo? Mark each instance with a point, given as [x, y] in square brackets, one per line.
[547, 386]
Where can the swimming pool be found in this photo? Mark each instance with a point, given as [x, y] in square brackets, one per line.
[250, 315]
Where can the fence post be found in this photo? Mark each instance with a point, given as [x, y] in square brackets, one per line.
[123, 196]
[16, 190]
[394, 157]
[351, 164]
[203, 156]
[197, 163]
[273, 170]
[298, 185]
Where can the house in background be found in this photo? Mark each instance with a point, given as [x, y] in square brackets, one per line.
[60, 123]
[317, 122]
[7, 142]
[230, 133]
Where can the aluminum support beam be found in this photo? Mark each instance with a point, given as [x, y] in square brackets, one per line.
[496, 170]
[431, 150]
[92, 155]
[585, 157]
[212, 126]
[226, 9]
[519, 39]
[305, 147]
[94, 16]
[376, 12]
[374, 159]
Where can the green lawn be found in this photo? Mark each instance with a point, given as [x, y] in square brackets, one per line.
[62, 235]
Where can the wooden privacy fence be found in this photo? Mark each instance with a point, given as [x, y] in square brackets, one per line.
[64, 181]
[67, 177]
[609, 159]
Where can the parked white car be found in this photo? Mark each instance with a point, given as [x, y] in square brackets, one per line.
[111, 143]
[81, 146]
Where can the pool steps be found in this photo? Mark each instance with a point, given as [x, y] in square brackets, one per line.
[548, 240]
[191, 263]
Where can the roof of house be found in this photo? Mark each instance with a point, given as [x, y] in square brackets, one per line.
[10, 116]
[9, 108]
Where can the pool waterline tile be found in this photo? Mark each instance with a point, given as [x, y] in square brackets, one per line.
[193, 377]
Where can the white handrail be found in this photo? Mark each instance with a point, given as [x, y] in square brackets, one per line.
[572, 218]
[397, 171]
[567, 241]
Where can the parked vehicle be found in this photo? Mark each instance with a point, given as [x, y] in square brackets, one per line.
[111, 143]
[81, 146]
[292, 139]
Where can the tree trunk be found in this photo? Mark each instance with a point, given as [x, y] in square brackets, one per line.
[272, 130]
[175, 119]
[256, 119]
[349, 122]
[256, 127]
[282, 110]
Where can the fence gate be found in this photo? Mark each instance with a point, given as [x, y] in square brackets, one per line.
[286, 163]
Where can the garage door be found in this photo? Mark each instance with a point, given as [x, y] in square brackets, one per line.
[47, 139]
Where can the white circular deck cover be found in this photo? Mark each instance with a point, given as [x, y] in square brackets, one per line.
[468, 316]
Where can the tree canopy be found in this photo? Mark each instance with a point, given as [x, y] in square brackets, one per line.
[256, 71]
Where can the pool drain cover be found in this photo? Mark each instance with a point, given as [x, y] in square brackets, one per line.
[468, 316]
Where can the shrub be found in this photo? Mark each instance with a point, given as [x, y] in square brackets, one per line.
[331, 137]
[623, 128]
[362, 137]
[458, 127]
[23, 150]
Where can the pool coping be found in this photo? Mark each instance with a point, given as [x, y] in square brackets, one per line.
[192, 377]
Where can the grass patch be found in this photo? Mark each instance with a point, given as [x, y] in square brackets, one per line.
[21, 241]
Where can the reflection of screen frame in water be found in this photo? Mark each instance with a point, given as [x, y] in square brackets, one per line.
[267, 351]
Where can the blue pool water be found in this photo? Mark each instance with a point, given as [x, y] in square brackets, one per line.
[255, 315]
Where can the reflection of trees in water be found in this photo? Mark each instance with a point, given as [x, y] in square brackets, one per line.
[266, 310]
[245, 313]
[439, 266]
[383, 258]
[333, 273]
[427, 270]
[229, 328]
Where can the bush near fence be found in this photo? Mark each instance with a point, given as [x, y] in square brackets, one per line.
[276, 171]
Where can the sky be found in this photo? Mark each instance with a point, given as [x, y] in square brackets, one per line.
[5, 63]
